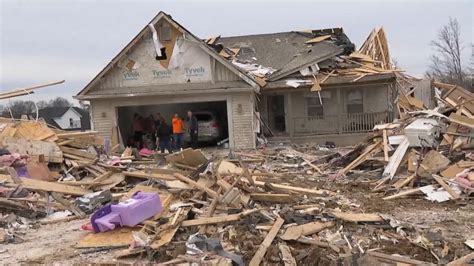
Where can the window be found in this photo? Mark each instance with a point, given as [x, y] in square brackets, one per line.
[354, 102]
[314, 108]
[71, 123]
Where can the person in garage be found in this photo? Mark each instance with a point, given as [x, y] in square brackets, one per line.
[163, 134]
[138, 130]
[178, 131]
[192, 129]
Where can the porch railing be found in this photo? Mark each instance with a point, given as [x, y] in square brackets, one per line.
[339, 124]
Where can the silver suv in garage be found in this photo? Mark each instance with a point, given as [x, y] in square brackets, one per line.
[210, 128]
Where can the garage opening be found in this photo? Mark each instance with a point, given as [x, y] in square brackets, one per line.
[211, 116]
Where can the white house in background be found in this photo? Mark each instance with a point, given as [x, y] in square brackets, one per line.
[66, 118]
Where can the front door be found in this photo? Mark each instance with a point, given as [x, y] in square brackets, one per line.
[276, 113]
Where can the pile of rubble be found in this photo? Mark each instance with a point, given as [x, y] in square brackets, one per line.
[273, 205]
[427, 151]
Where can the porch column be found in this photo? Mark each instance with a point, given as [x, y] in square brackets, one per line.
[339, 110]
[289, 115]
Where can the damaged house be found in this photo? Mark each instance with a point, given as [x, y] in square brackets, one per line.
[294, 85]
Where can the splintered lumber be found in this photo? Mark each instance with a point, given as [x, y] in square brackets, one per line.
[397, 259]
[189, 181]
[295, 232]
[318, 39]
[385, 145]
[258, 257]
[218, 219]
[309, 241]
[396, 159]
[149, 175]
[278, 198]
[403, 193]
[296, 189]
[76, 134]
[68, 205]
[405, 181]
[358, 217]
[446, 187]
[463, 261]
[27, 90]
[462, 120]
[313, 166]
[287, 258]
[78, 153]
[246, 172]
[189, 157]
[46, 186]
[361, 157]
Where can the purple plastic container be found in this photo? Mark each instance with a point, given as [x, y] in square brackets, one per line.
[131, 212]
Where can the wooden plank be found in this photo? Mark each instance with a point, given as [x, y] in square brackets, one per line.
[296, 189]
[358, 217]
[121, 237]
[446, 187]
[187, 180]
[78, 152]
[313, 166]
[361, 158]
[394, 258]
[295, 232]
[453, 170]
[462, 120]
[403, 193]
[318, 243]
[46, 186]
[405, 181]
[285, 252]
[218, 219]
[319, 39]
[278, 198]
[144, 175]
[385, 145]
[258, 257]
[396, 159]
[76, 134]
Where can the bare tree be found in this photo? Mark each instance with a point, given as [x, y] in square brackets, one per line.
[59, 102]
[446, 64]
[19, 108]
[42, 104]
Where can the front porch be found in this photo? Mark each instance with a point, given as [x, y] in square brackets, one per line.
[333, 113]
[338, 124]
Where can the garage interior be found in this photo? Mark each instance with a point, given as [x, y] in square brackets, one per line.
[125, 116]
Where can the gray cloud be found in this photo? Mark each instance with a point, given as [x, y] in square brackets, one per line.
[42, 41]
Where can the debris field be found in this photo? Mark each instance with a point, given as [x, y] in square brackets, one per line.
[403, 196]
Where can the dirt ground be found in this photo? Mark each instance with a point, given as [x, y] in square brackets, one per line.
[449, 222]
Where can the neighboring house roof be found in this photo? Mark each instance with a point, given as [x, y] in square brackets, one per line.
[85, 118]
[50, 113]
[161, 15]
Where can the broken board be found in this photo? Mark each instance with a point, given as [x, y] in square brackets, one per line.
[120, 237]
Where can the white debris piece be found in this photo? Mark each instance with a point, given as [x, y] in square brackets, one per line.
[432, 194]
[255, 69]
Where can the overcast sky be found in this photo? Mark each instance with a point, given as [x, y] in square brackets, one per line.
[44, 41]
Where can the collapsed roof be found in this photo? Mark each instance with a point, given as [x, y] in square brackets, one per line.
[321, 55]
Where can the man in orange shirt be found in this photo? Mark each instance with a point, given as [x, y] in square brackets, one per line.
[178, 131]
